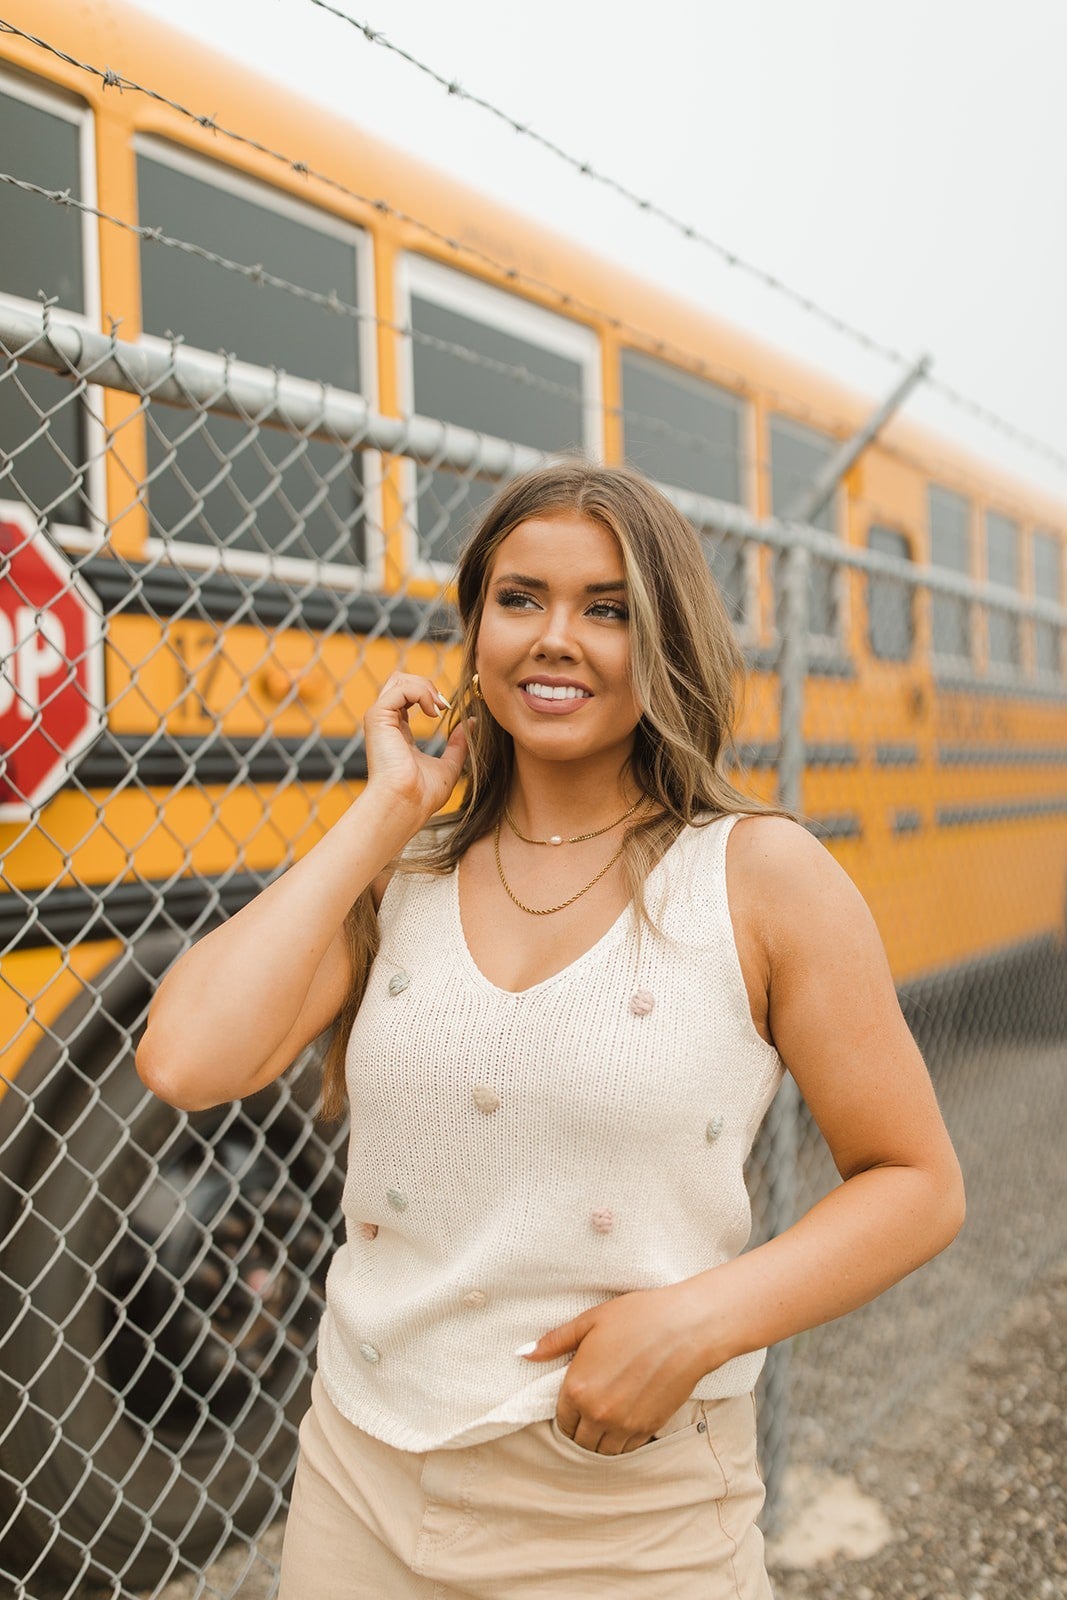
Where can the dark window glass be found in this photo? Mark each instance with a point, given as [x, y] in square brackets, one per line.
[42, 424]
[797, 455]
[1047, 563]
[217, 480]
[1047, 586]
[950, 549]
[1002, 550]
[890, 624]
[682, 430]
[42, 430]
[1002, 567]
[42, 241]
[532, 397]
[686, 432]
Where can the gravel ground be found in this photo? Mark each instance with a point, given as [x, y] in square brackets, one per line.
[1005, 1103]
[972, 1480]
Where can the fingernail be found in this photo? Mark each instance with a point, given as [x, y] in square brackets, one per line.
[527, 1349]
[441, 701]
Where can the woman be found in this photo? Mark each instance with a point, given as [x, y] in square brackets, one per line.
[561, 1033]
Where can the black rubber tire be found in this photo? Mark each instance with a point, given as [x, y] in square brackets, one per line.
[150, 1385]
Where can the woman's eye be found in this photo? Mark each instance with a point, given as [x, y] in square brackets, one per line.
[520, 600]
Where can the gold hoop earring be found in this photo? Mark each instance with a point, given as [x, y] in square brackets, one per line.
[476, 687]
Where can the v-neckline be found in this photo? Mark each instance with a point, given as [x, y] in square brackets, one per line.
[609, 937]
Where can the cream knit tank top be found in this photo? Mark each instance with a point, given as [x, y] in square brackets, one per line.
[515, 1159]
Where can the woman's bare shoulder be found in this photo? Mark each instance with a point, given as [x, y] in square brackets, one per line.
[762, 844]
[781, 874]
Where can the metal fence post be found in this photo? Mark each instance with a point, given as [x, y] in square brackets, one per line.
[783, 1119]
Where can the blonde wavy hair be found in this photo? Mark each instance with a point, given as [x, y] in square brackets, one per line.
[687, 671]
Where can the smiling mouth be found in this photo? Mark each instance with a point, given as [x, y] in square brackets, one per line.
[555, 691]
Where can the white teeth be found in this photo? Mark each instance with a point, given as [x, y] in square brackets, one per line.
[546, 691]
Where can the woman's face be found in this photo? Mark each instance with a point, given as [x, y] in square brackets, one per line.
[553, 650]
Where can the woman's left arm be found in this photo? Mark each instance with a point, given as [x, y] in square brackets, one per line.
[835, 1020]
[811, 951]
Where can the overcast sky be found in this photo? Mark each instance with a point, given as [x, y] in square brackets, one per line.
[903, 165]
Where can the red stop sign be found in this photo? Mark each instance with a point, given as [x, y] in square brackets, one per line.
[51, 666]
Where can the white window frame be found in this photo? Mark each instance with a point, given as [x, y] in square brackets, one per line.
[747, 625]
[251, 563]
[35, 92]
[821, 646]
[507, 313]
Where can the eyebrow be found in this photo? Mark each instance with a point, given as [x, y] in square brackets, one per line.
[612, 587]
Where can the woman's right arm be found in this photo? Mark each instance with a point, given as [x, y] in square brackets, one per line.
[239, 1006]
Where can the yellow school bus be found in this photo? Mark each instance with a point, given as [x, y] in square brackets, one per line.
[220, 591]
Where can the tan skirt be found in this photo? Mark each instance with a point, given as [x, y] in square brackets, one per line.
[529, 1516]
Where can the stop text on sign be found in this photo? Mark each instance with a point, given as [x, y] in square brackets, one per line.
[33, 654]
[51, 665]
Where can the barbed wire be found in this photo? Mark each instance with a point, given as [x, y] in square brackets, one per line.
[696, 235]
[572, 303]
[332, 302]
[710, 370]
[586, 170]
[993, 419]
[736, 381]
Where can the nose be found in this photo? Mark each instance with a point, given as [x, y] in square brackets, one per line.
[558, 638]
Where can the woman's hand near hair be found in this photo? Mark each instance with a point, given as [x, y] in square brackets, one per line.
[396, 767]
[239, 1006]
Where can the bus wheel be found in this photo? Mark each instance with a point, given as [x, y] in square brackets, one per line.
[160, 1291]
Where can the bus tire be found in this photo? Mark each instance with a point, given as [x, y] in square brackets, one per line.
[160, 1290]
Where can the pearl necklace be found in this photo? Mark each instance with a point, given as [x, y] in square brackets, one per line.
[578, 838]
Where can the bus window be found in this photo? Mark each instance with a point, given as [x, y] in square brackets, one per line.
[533, 380]
[216, 484]
[1002, 567]
[688, 433]
[1047, 586]
[890, 621]
[797, 454]
[950, 549]
[47, 251]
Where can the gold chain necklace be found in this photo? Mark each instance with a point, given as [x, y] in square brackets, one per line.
[578, 838]
[547, 911]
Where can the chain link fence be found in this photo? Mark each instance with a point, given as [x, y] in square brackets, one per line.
[182, 718]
